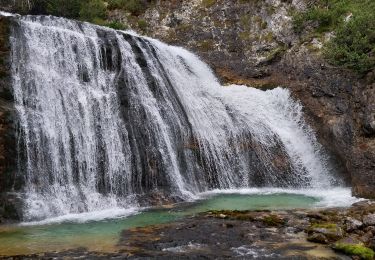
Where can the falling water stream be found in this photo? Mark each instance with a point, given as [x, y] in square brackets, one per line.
[109, 119]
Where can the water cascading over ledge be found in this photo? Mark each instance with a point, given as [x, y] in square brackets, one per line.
[109, 119]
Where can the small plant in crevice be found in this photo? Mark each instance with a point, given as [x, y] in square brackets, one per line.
[117, 25]
[142, 24]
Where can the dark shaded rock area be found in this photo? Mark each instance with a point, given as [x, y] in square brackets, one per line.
[8, 144]
[291, 234]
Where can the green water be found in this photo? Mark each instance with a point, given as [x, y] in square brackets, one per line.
[103, 235]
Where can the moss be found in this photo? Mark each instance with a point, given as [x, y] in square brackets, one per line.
[312, 48]
[208, 3]
[273, 220]
[117, 25]
[271, 10]
[135, 7]
[184, 27]
[274, 54]
[93, 9]
[330, 226]
[245, 21]
[245, 36]
[355, 250]
[142, 24]
[267, 37]
[257, 19]
[206, 45]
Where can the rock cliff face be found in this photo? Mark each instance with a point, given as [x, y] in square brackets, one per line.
[253, 43]
[7, 129]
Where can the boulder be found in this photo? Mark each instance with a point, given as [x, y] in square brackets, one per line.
[352, 224]
[331, 231]
[317, 238]
[369, 220]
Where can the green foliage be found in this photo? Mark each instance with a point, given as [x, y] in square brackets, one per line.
[142, 24]
[117, 25]
[117, 4]
[273, 220]
[355, 250]
[208, 3]
[93, 10]
[324, 225]
[135, 7]
[353, 45]
[64, 8]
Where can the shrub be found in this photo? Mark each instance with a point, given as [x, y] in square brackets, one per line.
[117, 25]
[208, 3]
[353, 45]
[93, 10]
[135, 7]
[64, 8]
[142, 24]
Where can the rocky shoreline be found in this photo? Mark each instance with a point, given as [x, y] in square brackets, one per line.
[333, 233]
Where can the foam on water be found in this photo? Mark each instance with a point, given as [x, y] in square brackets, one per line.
[333, 197]
[111, 213]
[6, 14]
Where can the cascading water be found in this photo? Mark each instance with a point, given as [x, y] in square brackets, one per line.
[108, 119]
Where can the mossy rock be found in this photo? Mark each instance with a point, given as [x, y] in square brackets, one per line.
[355, 250]
[273, 220]
[330, 230]
[331, 226]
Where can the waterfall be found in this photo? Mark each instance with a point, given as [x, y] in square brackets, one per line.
[109, 119]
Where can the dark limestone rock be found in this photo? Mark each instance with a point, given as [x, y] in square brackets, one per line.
[352, 224]
[332, 234]
[8, 179]
[318, 238]
[369, 220]
[11, 205]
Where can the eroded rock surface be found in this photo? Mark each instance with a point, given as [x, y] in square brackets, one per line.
[7, 128]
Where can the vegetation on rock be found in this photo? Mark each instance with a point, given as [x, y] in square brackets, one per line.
[355, 250]
[94, 11]
[353, 25]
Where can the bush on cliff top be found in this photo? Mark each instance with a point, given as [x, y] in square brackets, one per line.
[353, 25]
[94, 11]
